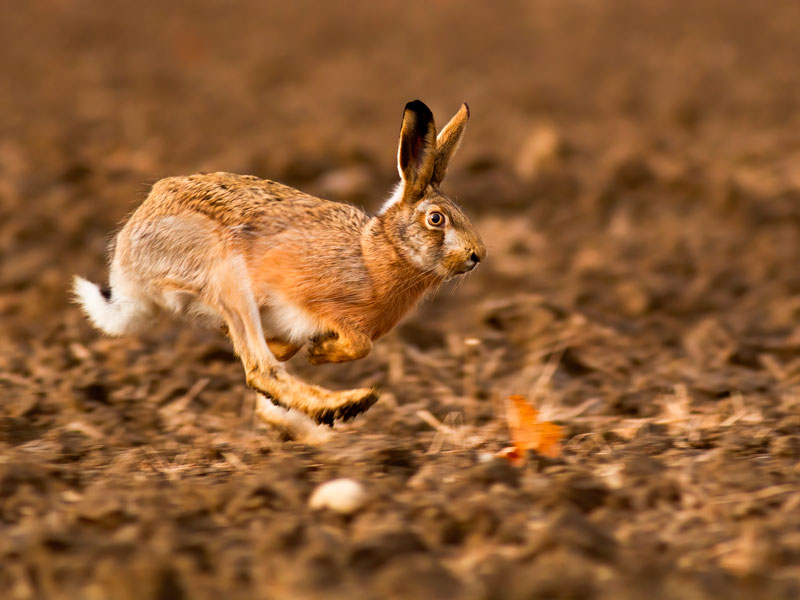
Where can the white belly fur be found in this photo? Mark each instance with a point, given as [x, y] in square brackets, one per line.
[286, 321]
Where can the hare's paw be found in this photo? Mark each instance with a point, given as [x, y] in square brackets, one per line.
[324, 350]
[338, 349]
[290, 423]
[321, 405]
[347, 405]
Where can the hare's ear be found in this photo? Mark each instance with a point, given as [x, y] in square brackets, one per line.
[448, 141]
[417, 151]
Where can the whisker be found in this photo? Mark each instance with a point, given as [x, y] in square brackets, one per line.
[414, 280]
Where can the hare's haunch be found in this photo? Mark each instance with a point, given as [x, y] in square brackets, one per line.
[280, 269]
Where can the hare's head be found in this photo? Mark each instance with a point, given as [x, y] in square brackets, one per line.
[426, 227]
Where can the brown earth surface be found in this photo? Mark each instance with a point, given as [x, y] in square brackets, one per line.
[634, 168]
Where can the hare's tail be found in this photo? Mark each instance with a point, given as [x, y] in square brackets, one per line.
[112, 314]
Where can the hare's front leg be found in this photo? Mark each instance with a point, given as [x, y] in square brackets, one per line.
[281, 350]
[343, 345]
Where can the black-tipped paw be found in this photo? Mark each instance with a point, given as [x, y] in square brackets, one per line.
[348, 411]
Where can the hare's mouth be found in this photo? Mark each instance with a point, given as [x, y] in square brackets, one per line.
[469, 264]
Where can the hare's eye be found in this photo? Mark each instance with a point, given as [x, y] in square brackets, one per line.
[436, 219]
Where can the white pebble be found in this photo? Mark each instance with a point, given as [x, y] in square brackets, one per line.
[344, 496]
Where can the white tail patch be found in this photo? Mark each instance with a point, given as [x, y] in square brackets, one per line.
[116, 316]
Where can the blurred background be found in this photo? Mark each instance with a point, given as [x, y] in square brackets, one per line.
[634, 168]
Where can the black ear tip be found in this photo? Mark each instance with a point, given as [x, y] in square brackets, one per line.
[419, 108]
[467, 107]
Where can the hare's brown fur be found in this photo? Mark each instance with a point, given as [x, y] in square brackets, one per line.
[280, 268]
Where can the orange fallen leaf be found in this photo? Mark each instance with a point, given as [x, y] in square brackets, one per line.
[528, 433]
[511, 454]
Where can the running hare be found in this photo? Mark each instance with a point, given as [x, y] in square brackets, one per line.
[280, 269]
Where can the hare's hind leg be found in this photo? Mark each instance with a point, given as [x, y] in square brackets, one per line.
[291, 423]
[230, 294]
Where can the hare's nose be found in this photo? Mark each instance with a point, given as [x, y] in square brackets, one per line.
[475, 258]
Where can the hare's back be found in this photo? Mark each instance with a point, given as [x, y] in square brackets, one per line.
[239, 200]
